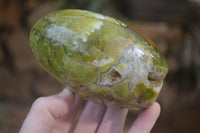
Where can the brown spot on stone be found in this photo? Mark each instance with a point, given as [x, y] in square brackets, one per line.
[151, 79]
[111, 77]
[154, 81]
[115, 75]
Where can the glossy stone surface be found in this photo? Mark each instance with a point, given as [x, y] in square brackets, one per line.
[99, 57]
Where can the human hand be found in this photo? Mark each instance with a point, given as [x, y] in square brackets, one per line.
[56, 114]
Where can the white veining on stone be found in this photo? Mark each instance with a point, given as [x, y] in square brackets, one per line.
[98, 16]
[97, 26]
[59, 33]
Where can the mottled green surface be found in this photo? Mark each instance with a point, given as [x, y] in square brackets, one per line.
[144, 93]
[79, 48]
[99, 41]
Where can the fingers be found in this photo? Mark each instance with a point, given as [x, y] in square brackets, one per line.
[90, 118]
[113, 121]
[59, 111]
[146, 119]
[64, 124]
[45, 111]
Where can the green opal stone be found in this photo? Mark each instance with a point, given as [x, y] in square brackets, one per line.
[99, 57]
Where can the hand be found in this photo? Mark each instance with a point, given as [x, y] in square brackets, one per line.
[56, 114]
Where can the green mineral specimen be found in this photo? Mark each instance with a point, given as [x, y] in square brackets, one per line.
[99, 57]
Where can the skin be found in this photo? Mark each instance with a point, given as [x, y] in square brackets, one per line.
[56, 114]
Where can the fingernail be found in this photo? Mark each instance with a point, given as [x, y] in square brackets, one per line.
[65, 92]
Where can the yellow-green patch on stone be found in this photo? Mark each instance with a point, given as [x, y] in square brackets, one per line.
[144, 93]
[121, 89]
[122, 67]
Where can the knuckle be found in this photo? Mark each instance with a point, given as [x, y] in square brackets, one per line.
[40, 102]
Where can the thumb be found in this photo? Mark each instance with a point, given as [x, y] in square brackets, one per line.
[46, 110]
